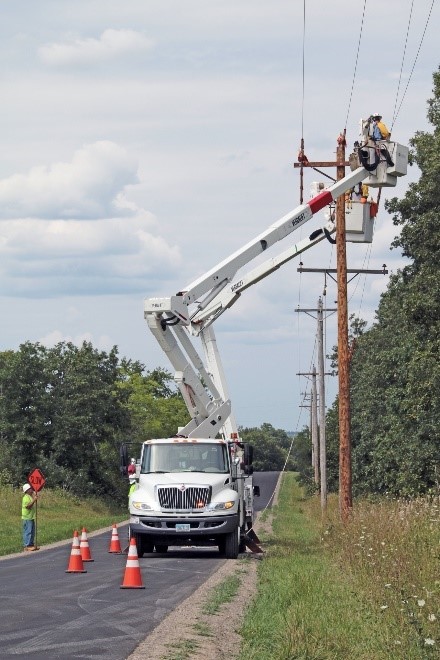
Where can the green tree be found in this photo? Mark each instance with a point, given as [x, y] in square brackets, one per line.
[154, 404]
[302, 457]
[25, 409]
[270, 446]
[88, 418]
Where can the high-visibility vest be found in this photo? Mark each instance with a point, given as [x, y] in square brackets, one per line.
[383, 130]
[27, 514]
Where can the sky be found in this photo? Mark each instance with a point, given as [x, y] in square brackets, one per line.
[144, 142]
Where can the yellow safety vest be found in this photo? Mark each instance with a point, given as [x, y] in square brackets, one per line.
[27, 514]
[383, 130]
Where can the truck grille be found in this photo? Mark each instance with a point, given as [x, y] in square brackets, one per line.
[192, 497]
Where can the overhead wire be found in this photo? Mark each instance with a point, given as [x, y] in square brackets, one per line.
[301, 155]
[303, 68]
[355, 64]
[414, 63]
[401, 66]
[301, 177]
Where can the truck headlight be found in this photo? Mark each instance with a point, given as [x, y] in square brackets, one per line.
[141, 506]
[221, 505]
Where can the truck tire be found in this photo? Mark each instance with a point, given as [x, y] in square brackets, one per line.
[142, 545]
[161, 548]
[231, 544]
[241, 545]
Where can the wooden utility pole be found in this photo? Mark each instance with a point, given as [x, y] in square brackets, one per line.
[345, 475]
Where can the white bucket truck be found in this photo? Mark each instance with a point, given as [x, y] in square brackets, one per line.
[194, 488]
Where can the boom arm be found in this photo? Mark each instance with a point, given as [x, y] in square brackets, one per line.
[192, 311]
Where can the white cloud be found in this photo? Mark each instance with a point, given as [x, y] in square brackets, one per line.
[71, 228]
[41, 257]
[111, 44]
[87, 187]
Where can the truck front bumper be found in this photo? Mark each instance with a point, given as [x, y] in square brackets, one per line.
[167, 529]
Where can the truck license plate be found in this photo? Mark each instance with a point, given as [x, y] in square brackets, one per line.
[183, 527]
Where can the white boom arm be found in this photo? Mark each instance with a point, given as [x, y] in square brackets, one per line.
[192, 311]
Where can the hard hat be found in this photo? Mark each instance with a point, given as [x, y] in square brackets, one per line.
[26, 487]
[376, 114]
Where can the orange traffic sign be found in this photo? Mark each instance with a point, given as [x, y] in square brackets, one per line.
[36, 479]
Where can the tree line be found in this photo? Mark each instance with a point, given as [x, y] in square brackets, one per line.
[395, 366]
[68, 409]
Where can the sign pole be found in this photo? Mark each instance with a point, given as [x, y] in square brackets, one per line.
[36, 526]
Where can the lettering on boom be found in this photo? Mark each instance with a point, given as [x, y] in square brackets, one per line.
[236, 286]
[302, 216]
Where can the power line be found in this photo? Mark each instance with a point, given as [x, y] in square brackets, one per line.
[415, 60]
[303, 68]
[401, 66]
[355, 65]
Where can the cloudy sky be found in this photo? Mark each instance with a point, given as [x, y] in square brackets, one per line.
[144, 141]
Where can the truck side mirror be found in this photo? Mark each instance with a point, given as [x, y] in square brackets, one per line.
[248, 454]
[248, 457]
[257, 491]
[123, 460]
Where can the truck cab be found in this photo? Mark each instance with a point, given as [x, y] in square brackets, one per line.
[188, 494]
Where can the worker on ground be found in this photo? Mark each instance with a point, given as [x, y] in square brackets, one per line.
[378, 129]
[132, 467]
[28, 517]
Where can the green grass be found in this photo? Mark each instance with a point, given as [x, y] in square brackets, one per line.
[315, 603]
[222, 593]
[58, 515]
[181, 650]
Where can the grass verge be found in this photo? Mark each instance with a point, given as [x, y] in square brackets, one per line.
[58, 515]
[315, 603]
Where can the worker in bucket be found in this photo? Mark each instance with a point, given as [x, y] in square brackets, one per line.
[378, 129]
[28, 517]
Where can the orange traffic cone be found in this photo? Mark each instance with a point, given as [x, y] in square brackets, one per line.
[86, 555]
[75, 563]
[115, 546]
[132, 575]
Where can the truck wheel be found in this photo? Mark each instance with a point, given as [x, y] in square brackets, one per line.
[161, 548]
[231, 544]
[241, 546]
[142, 545]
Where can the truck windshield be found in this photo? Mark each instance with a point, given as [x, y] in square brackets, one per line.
[182, 457]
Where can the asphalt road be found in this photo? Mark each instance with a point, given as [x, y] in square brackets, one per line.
[48, 614]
